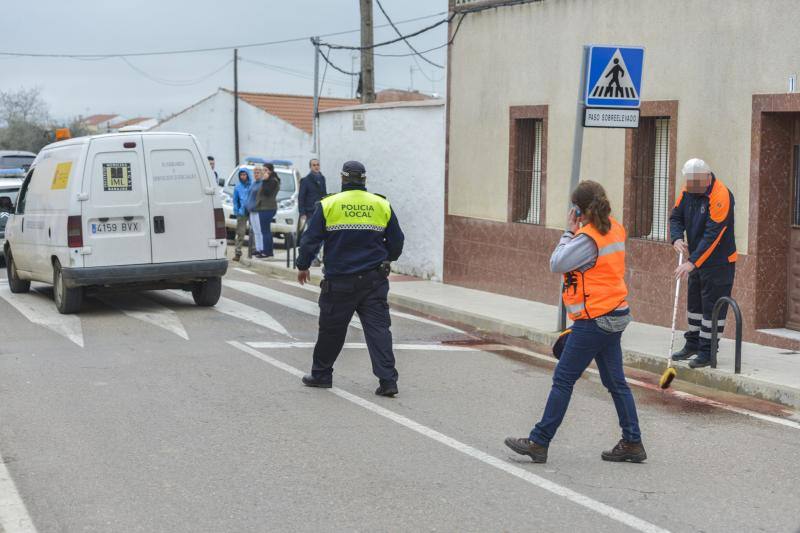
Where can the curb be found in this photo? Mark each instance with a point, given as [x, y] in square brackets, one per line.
[705, 377]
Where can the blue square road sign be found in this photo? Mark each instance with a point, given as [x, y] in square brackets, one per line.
[614, 76]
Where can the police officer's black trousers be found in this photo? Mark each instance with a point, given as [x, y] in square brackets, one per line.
[366, 295]
[706, 286]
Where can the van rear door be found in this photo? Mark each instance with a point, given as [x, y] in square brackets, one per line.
[181, 199]
[114, 207]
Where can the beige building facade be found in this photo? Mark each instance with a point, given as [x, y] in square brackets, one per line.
[716, 85]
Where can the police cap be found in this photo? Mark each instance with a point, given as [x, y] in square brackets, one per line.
[353, 171]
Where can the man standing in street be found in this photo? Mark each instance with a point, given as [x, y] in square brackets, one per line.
[312, 190]
[704, 212]
[361, 236]
[213, 164]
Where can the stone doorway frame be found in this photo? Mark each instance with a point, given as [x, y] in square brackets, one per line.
[770, 171]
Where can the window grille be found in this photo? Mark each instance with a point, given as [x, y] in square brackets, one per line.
[528, 171]
[650, 181]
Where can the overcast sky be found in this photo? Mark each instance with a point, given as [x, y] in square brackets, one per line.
[74, 87]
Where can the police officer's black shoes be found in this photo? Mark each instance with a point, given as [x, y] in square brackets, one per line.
[322, 383]
[625, 451]
[537, 452]
[386, 388]
[684, 354]
[697, 362]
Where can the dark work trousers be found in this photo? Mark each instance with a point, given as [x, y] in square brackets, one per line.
[706, 286]
[366, 295]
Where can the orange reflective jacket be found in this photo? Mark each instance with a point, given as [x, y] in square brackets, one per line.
[600, 289]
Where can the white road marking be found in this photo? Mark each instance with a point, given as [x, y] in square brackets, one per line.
[434, 347]
[241, 311]
[40, 309]
[14, 517]
[684, 395]
[243, 271]
[281, 298]
[398, 314]
[144, 309]
[538, 481]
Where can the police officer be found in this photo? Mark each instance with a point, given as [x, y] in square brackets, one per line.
[704, 212]
[361, 236]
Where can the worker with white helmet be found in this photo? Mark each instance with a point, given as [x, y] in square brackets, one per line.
[704, 214]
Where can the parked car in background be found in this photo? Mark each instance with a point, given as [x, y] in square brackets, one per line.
[287, 218]
[11, 159]
[124, 210]
[9, 190]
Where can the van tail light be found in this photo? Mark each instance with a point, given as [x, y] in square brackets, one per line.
[75, 232]
[219, 224]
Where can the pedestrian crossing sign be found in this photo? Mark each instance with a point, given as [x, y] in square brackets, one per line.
[614, 76]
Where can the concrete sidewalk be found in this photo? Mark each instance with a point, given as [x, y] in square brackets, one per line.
[767, 373]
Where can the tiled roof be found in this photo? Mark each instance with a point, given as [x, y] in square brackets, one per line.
[94, 120]
[130, 122]
[296, 110]
[399, 95]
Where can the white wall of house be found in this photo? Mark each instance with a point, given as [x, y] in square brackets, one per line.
[402, 147]
[260, 134]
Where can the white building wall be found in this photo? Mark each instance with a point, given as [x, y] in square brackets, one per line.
[403, 150]
[260, 134]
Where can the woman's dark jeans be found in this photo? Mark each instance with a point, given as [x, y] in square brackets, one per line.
[265, 217]
[586, 342]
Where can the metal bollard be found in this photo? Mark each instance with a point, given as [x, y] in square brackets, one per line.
[737, 313]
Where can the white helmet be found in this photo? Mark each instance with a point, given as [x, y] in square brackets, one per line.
[695, 166]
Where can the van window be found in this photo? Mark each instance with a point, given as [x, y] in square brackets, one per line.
[176, 178]
[23, 193]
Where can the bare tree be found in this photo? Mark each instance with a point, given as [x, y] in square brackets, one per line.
[24, 120]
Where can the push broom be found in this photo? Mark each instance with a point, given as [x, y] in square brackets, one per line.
[670, 373]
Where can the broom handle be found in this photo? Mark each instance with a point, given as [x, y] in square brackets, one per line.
[675, 310]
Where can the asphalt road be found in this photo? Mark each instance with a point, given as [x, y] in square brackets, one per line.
[146, 413]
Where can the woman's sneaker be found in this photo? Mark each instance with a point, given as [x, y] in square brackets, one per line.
[626, 451]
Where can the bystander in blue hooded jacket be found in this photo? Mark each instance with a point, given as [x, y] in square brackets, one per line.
[240, 193]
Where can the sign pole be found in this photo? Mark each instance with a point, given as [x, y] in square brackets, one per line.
[577, 150]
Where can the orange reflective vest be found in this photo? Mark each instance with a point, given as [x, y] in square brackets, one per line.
[600, 289]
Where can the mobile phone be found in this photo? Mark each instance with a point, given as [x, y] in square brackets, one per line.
[577, 210]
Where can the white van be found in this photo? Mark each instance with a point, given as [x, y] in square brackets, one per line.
[130, 210]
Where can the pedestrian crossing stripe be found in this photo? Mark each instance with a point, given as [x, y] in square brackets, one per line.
[614, 77]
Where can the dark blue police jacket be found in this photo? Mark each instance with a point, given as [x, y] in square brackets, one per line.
[349, 251]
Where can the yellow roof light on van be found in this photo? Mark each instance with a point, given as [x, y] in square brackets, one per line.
[63, 134]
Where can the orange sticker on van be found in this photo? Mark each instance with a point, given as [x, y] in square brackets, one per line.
[61, 176]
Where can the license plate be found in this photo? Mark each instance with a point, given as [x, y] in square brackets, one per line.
[116, 227]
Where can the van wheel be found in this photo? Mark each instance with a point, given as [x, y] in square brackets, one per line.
[67, 300]
[207, 293]
[16, 285]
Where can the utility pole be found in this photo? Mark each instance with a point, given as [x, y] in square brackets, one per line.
[236, 102]
[315, 122]
[367, 58]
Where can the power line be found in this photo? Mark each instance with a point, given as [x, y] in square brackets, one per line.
[397, 30]
[328, 61]
[174, 83]
[201, 50]
[392, 41]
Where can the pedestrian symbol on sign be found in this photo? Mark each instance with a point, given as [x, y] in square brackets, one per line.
[614, 77]
[619, 86]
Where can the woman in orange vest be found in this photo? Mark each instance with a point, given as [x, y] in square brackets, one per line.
[591, 256]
